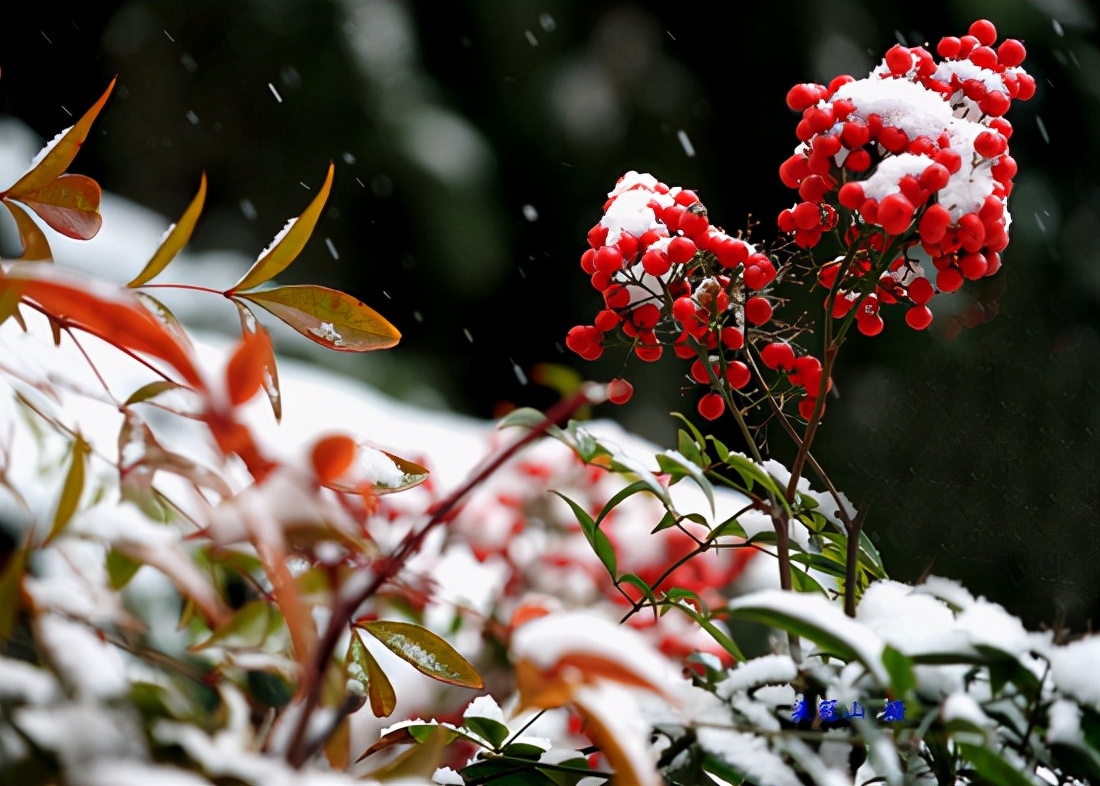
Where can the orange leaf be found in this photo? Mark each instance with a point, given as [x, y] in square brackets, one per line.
[178, 235]
[328, 317]
[288, 243]
[35, 246]
[244, 375]
[116, 316]
[271, 371]
[332, 455]
[69, 204]
[59, 154]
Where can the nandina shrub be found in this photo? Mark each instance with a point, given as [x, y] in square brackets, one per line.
[610, 646]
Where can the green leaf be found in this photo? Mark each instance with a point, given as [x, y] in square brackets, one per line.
[530, 418]
[900, 668]
[151, 390]
[288, 244]
[751, 473]
[721, 449]
[120, 569]
[425, 651]
[695, 433]
[636, 581]
[619, 496]
[691, 470]
[328, 317]
[492, 730]
[716, 633]
[11, 585]
[802, 581]
[992, 767]
[731, 527]
[596, 537]
[247, 629]
[73, 488]
[687, 448]
[813, 617]
[178, 235]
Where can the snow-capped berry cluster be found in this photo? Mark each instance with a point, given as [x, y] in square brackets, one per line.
[916, 157]
[671, 278]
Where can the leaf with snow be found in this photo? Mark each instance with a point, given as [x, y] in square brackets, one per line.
[177, 237]
[328, 317]
[287, 244]
[58, 154]
[425, 651]
[364, 669]
[270, 381]
[817, 619]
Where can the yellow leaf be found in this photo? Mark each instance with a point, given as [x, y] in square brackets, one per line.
[72, 490]
[288, 244]
[35, 246]
[176, 239]
[425, 651]
[61, 154]
[328, 317]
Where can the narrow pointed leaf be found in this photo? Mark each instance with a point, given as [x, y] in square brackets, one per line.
[69, 205]
[288, 243]
[35, 246]
[114, 315]
[425, 651]
[61, 152]
[328, 317]
[270, 381]
[165, 317]
[73, 488]
[11, 584]
[177, 237]
[247, 629]
[151, 390]
[383, 698]
[10, 292]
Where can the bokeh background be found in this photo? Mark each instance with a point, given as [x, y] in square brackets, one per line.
[475, 143]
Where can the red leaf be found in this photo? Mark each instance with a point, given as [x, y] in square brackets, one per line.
[69, 204]
[116, 316]
[35, 246]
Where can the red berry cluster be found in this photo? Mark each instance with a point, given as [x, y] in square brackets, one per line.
[910, 162]
[671, 278]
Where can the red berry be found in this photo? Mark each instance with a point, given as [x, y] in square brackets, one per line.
[711, 406]
[898, 60]
[918, 317]
[984, 57]
[693, 223]
[949, 279]
[934, 177]
[950, 158]
[1011, 53]
[869, 324]
[1026, 86]
[920, 291]
[699, 372]
[681, 250]
[851, 195]
[984, 31]
[758, 310]
[656, 262]
[893, 139]
[759, 276]
[858, 161]
[609, 260]
[895, 213]
[933, 224]
[793, 170]
[973, 265]
[588, 264]
[619, 391]
[737, 374]
[948, 47]
[806, 407]
[607, 320]
[616, 296]
[645, 316]
[801, 97]
[778, 355]
[650, 354]
[597, 235]
[732, 338]
[990, 144]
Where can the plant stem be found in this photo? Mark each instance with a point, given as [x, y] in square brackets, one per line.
[345, 606]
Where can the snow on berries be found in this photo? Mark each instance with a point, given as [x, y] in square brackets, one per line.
[908, 169]
[914, 156]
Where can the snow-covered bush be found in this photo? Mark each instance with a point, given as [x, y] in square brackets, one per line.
[203, 592]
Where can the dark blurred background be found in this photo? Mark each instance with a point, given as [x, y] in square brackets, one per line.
[475, 143]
